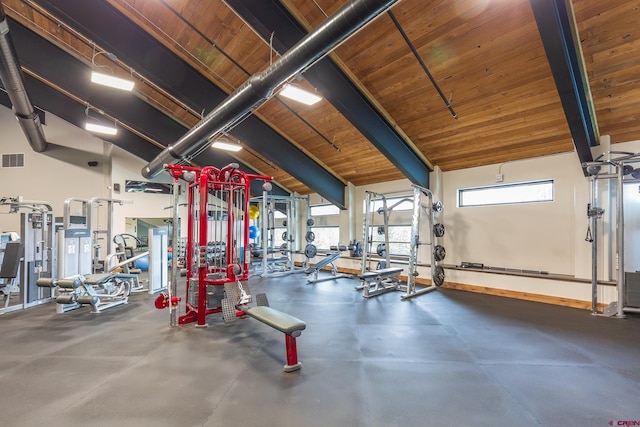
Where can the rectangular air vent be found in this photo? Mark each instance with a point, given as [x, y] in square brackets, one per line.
[13, 160]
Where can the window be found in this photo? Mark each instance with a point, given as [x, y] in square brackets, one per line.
[321, 210]
[522, 192]
[278, 232]
[398, 234]
[394, 203]
[325, 237]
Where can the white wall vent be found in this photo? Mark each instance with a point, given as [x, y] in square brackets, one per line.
[13, 160]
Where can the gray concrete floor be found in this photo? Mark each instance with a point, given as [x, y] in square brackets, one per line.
[443, 359]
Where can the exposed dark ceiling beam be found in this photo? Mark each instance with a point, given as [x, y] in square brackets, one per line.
[138, 49]
[270, 16]
[47, 60]
[556, 24]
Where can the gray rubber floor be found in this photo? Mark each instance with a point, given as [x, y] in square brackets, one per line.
[448, 358]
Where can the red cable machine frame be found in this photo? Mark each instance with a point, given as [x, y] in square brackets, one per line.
[226, 188]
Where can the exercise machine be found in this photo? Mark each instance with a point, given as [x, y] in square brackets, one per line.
[385, 277]
[95, 220]
[100, 224]
[615, 168]
[218, 211]
[99, 291]
[77, 283]
[269, 259]
[9, 268]
[217, 208]
[158, 260]
[36, 235]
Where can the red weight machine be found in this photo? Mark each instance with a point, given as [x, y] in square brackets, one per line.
[217, 249]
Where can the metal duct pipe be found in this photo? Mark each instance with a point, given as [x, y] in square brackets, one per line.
[13, 81]
[259, 87]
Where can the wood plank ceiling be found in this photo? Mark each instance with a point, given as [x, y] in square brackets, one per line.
[486, 55]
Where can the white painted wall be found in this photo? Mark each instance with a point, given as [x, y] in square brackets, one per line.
[547, 237]
[141, 205]
[62, 172]
[56, 174]
[531, 236]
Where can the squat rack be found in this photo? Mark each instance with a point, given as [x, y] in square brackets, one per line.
[416, 196]
[269, 204]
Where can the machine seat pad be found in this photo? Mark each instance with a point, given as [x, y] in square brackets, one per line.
[96, 279]
[100, 278]
[277, 319]
[384, 272]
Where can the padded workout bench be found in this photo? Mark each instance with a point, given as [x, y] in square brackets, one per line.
[329, 259]
[380, 281]
[234, 305]
[292, 327]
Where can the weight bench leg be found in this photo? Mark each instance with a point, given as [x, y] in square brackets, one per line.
[292, 354]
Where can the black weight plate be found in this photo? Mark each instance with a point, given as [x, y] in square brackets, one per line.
[310, 236]
[439, 253]
[310, 250]
[438, 230]
[310, 222]
[284, 235]
[284, 249]
[437, 206]
[381, 250]
[438, 276]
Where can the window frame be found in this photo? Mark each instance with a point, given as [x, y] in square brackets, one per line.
[337, 210]
[462, 191]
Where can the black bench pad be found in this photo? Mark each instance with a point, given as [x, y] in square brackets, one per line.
[277, 319]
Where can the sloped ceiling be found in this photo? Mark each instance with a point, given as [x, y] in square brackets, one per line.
[495, 63]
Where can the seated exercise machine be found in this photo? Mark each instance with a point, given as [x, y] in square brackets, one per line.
[100, 291]
[76, 285]
[9, 270]
[36, 256]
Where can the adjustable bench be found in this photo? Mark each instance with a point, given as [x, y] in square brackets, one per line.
[329, 259]
[235, 305]
[380, 281]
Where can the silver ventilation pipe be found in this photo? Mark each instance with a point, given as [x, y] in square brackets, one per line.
[13, 81]
[259, 87]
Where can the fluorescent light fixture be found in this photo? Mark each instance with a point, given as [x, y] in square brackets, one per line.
[107, 130]
[228, 146]
[300, 95]
[111, 81]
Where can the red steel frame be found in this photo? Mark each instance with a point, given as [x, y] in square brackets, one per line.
[228, 180]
